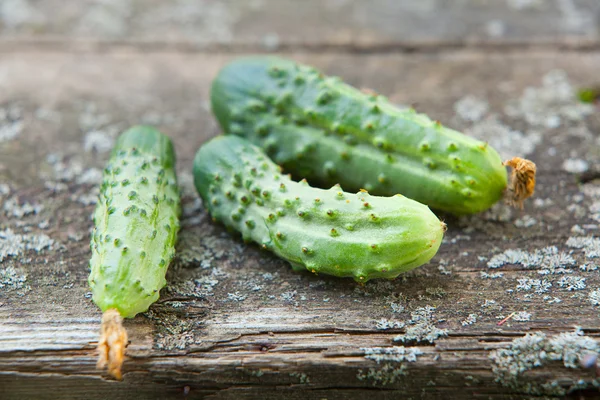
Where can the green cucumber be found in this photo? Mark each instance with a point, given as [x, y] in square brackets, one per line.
[135, 228]
[324, 231]
[322, 129]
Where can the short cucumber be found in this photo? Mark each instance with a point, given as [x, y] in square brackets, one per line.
[324, 231]
[135, 226]
[322, 129]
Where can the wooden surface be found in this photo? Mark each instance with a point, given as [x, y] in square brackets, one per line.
[346, 25]
[236, 322]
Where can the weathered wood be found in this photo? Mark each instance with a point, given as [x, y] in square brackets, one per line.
[235, 322]
[281, 24]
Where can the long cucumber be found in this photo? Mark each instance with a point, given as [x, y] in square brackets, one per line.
[135, 229]
[320, 128]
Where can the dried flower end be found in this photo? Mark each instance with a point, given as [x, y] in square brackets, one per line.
[444, 226]
[522, 181]
[112, 343]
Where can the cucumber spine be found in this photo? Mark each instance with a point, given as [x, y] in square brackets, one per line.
[323, 231]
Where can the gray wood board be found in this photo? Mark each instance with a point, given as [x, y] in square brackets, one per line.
[235, 321]
[314, 24]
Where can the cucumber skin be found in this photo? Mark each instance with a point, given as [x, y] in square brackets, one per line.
[135, 222]
[324, 130]
[323, 231]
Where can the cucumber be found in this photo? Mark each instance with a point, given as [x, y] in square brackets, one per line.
[135, 229]
[323, 231]
[322, 129]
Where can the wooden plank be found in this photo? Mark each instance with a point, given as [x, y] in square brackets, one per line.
[273, 24]
[236, 322]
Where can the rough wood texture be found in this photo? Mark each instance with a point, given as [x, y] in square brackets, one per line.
[235, 322]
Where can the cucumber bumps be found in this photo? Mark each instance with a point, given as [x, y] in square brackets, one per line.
[322, 129]
[324, 231]
[135, 230]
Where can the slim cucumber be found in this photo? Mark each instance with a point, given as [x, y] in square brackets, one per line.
[135, 229]
[322, 129]
[324, 231]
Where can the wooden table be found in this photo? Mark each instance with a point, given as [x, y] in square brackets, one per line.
[234, 321]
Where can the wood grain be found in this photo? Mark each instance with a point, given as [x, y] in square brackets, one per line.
[234, 321]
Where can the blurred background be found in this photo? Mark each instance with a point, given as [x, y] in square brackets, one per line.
[312, 24]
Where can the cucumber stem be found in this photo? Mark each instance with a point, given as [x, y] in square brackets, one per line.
[112, 343]
[522, 181]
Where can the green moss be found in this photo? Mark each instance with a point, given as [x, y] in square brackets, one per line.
[384, 375]
[536, 350]
[589, 95]
[302, 377]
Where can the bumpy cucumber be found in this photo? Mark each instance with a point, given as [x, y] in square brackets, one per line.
[324, 231]
[322, 129]
[135, 229]
[135, 222]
